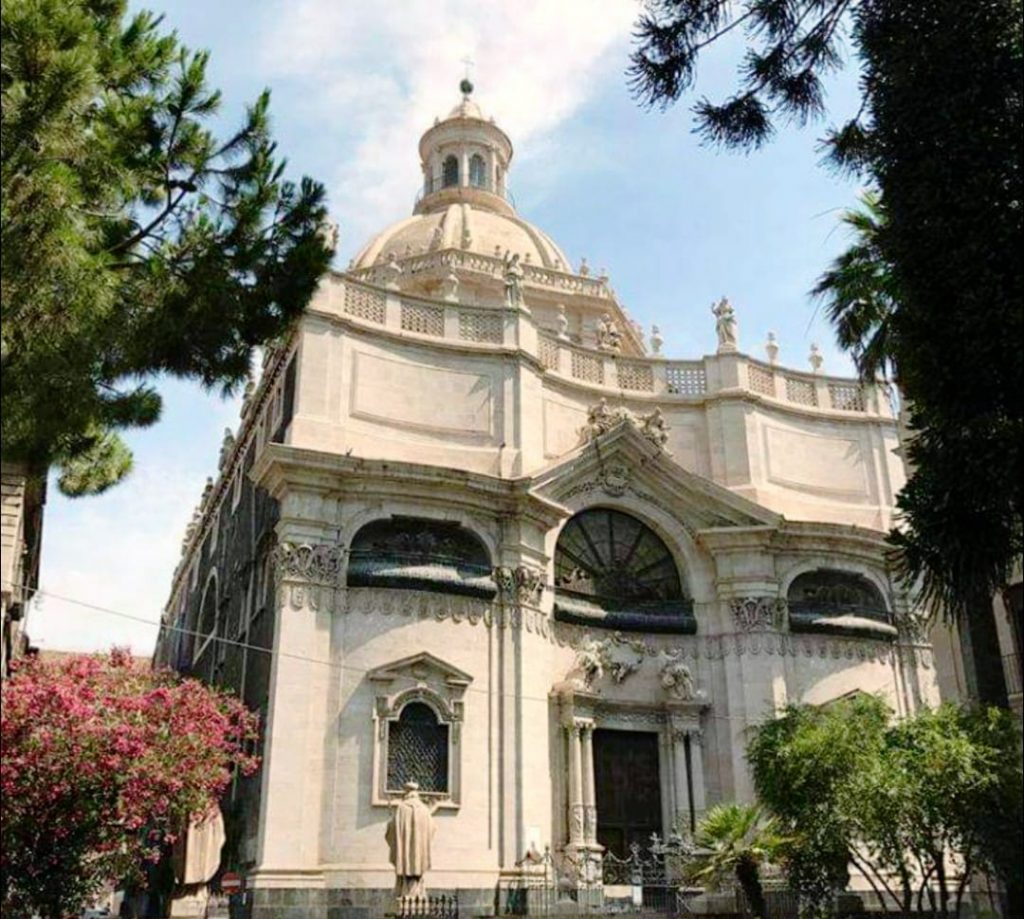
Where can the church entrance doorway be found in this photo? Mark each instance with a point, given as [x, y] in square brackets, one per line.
[627, 789]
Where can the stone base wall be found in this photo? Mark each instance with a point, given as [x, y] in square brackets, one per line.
[354, 903]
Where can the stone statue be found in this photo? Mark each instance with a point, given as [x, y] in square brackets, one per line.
[654, 427]
[513, 281]
[656, 340]
[329, 232]
[676, 678]
[600, 418]
[815, 359]
[563, 322]
[392, 271]
[771, 347]
[450, 287]
[609, 338]
[409, 835]
[725, 325]
[589, 664]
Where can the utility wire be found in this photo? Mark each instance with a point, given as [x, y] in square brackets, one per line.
[38, 592]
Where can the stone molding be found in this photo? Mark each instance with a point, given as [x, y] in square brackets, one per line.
[757, 613]
[475, 611]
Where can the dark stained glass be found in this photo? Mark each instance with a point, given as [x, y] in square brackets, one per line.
[418, 750]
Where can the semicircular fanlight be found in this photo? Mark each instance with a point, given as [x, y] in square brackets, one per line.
[613, 570]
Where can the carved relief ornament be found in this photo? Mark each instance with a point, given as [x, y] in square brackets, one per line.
[521, 584]
[308, 573]
[750, 613]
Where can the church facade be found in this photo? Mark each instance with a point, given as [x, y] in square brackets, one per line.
[475, 533]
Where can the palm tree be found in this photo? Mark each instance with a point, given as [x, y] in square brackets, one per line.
[859, 292]
[733, 842]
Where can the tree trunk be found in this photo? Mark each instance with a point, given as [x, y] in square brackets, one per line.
[750, 882]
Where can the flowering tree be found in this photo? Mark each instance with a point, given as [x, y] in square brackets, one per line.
[101, 763]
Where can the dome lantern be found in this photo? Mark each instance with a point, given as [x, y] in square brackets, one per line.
[465, 158]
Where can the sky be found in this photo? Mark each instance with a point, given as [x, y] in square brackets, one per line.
[676, 224]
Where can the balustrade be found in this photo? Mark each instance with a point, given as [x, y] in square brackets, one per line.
[500, 328]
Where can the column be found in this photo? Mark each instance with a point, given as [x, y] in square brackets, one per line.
[576, 810]
[696, 762]
[589, 791]
[680, 787]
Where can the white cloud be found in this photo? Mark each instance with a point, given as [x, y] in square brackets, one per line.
[385, 71]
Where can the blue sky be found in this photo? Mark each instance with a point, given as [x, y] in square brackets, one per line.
[677, 225]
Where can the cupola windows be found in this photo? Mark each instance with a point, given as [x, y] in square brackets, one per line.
[450, 171]
[477, 171]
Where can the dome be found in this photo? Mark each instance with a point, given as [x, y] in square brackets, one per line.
[463, 226]
[464, 203]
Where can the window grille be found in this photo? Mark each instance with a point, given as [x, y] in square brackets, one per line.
[636, 376]
[801, 391]
[761, 381]
[364, 304]
[548, 352]
[587, 367]
[686, 380]
[422, 319]
[418, 750]
[480, 326]
[847, 397]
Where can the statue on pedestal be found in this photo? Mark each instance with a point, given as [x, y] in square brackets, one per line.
[513, 274]
[725, 325]
[409, 837]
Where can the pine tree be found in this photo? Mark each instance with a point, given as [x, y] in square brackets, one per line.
[939, 134]
[134, 241]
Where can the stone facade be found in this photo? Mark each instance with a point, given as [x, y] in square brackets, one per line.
[21, 534]
[478, 527]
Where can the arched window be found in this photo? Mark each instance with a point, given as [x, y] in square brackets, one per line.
[450, 171]
[612, 570]
[418, 750]
[477, 171]
[206, 623]
[838, 602]
[416, 554]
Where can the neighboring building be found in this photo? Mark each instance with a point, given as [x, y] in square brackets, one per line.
[472, 533]
[21, 535]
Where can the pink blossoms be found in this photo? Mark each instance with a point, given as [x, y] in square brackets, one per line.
[99, 763]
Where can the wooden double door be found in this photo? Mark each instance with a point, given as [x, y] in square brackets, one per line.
[627, 786]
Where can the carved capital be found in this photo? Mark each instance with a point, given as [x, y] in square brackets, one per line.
[312, 563]
[307, 573]
[750, 613]
[520, 585]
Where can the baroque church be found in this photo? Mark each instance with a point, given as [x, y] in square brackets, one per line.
[475, 532]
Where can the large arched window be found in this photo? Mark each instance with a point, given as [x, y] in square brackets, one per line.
[450, 171]
[612, 570]
[418, 750]
[477, 171]
[837, 602]
[408, 552]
